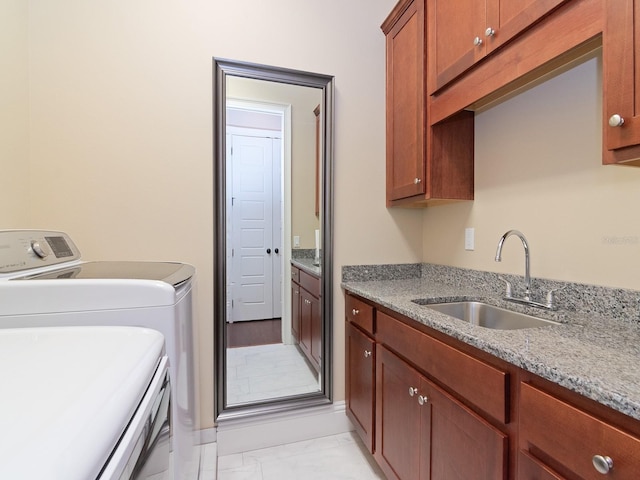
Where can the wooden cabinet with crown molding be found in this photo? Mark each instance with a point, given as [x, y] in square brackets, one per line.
[425, 164]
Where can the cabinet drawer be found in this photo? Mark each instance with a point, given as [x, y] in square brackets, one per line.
[567, 438]
[479, 383]
[531, 469]
[359, 313]
[310, 283]
[295, 274]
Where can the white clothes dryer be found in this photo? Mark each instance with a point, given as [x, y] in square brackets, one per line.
[44, 282]
[84, 403]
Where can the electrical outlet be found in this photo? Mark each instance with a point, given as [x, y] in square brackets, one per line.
[469, 239]
[296, 241]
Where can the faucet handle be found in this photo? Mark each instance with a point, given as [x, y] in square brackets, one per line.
[551, 297]
[507, 292]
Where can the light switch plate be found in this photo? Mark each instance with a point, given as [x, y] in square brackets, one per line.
[296, 241]
[469, 238]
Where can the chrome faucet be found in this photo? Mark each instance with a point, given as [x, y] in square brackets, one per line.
[527, 271]
[526, 300]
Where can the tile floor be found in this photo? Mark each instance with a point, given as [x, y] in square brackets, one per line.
[337, 457]
[267, 371]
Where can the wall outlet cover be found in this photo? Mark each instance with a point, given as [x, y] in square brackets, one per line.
[469, 238]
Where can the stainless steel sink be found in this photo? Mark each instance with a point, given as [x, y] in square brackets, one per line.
[488, 316]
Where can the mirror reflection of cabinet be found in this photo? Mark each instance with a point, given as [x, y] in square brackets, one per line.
[306, 324]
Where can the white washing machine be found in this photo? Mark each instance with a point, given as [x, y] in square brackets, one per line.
[44, 282]
[83, 403]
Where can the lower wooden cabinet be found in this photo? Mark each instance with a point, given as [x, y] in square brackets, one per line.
[423, 433]
[360, 377]
[310, 328]
[432, 408]
[571, 443]
[306, 317]
[398, 417]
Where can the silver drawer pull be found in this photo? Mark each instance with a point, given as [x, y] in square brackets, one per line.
[412, 391]
[355, 312]
[602, 463]
[422, 399]
[367, 353]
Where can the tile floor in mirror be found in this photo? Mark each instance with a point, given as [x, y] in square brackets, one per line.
[267, 371]
[337, 457]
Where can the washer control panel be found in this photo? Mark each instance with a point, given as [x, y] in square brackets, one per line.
[22, 250]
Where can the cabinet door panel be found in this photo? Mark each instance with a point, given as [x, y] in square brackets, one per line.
[305, 322]
[316, 333]
[453, 27]
[361, 383]
[397, 417]
[406, 104]
[621, 82]
[295, 311]
[463, 445]
[510, 17]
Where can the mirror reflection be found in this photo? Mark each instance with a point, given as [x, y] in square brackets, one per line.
[274, 218]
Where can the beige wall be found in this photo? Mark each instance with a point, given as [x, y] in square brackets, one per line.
[538, 169]
[14, 109]
[121, 121]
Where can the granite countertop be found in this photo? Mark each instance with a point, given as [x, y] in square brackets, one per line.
[593, 355]
[307, 265]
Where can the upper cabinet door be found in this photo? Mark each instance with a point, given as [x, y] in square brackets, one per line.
[508, 18]
[455, 38]
[463, 32]
[621, 82]
[406, 109]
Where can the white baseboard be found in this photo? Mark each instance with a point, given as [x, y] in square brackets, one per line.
[208, 435]
[241, 435]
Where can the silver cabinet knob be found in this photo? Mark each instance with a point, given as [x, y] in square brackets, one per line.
[422, 399]
[355, 312]
[616, 120]
[489, 32]
[412, 391]
[367, 353]
[417, 180]
[602, 463]
[477, 41]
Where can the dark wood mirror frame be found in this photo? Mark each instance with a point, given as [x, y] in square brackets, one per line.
[222, 69]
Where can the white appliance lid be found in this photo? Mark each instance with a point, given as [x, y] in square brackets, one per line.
[94, 286]
[68, 394]
[169, 272]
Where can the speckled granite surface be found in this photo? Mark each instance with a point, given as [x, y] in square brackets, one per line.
[594, 352]
[307, 264]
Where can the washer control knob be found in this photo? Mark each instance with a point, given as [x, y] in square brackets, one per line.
[39, 249]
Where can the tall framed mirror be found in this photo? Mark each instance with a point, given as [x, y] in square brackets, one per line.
[273, 301]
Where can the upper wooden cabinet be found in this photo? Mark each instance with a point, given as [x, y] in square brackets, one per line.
[425, 164]
[406, 108]
[465, 31]
[621, 82]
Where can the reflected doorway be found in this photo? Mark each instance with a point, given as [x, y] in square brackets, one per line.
[263, 359]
